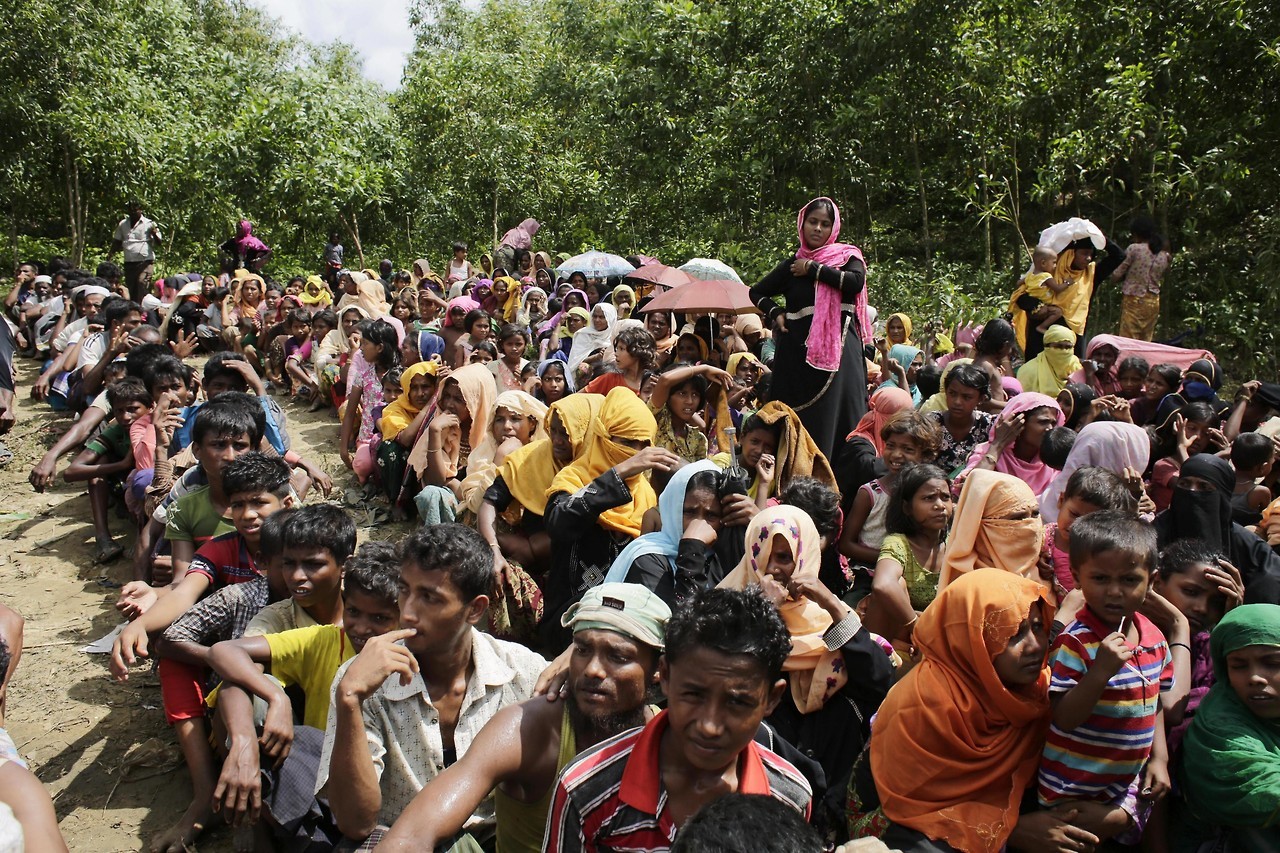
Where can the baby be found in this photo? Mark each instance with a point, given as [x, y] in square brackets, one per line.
[1041, 285]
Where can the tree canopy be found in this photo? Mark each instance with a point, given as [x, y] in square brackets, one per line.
[949, 133]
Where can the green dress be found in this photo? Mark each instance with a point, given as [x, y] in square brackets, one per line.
[922, 584]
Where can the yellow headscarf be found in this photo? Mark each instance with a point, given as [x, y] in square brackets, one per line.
[623, 415]
[1074, 301]
[814, 674]
[511, 301]
[906, 326]
[529, 471]
[735, 361]
[397, 416]
[481, 468]
[938, 402]
[1047, 373]
[314, 292]
[619, 291]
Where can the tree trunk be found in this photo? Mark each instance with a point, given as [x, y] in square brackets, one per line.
[494, 244]
[352, 224]
[924, 203]
[71, 175]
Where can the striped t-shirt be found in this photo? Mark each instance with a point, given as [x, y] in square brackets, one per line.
[1100, 758]
[612, 798]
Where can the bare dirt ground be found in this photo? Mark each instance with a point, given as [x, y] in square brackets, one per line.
[101, 748]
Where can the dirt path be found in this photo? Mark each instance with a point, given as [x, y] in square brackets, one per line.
[101, 748]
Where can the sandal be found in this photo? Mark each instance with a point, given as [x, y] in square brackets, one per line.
[107, 553]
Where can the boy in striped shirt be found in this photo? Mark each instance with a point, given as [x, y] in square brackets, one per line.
[1111, 676]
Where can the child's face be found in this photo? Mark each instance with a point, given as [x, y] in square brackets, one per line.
[250, 509]
[755, 444]
[426, 308]
[1037, 423]
[1199, 433]
[273, 299]
[1071, 510]
[914, 369]
[391, 392]
[513, 348]
[1131, 384]
[900, 450]
[553, 385]
[623, 357]
[684, 403]
[962, 400]
[702, 505]
[127, 413]
[509, 424]
[275, 578]
[1193, 593]
[1254, 675]
[293, 288]
[370, 350]
[648, 386]
[1022, 660]
[746, 372]
[319, 330]
[401, 312]
[480, 329]
[300, 331]
[311, 573]
[931, 506]
[366, 616]
[217, 450]
[456, 316]
[1045, 261]
[480, 357]
[460, 254]
[421, 390]
[687, 351]
[169, 385]
[782, 563]
[1114, 584]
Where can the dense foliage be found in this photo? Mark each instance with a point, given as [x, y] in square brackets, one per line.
[950, 133]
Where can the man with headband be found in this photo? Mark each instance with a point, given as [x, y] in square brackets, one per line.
[618, 635]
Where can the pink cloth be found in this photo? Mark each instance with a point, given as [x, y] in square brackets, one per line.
[1034, 473]
[246, 242]
[143, 439]
[1113, 445]
[521, 237]
[885, 402]
[1153, 353]
[466, 303]
[824, 333]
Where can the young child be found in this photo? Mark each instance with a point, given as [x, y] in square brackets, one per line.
[296, 345]
[905, 580]
[460, 268]
[513, 341]
[677, 404]
[1112, 675]
[1132, 376]
[908, 437]
[1192, 429]
[1252, 455]
[483, 352]
[1088, 490]
[1040, 284]
[301, 364]
[1056, 446]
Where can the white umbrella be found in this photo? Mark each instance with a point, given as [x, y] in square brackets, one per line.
[1057, 237]
[709, 269]
[595, 264]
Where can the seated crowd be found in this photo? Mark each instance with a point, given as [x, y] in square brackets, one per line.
[1029, 601]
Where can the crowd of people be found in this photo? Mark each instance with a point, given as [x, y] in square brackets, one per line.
[785, 577]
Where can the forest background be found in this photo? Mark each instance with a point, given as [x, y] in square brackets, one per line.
[950, 133]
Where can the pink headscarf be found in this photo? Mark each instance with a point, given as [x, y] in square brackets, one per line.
[1113, 445]
[466, 303]
[824, 333]
[1034, 473]
[521, 237]
[246, 242]
[885, 402]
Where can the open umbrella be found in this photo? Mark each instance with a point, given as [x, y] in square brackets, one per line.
[709, 269]
[704, 297]
[659, 274]
[596, 265]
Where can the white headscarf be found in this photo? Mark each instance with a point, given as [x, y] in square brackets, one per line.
[588, 340]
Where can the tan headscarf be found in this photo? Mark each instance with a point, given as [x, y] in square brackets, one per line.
[479, 391]
[482, 469]
[997, 523]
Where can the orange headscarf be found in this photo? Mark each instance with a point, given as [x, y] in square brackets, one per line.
[815, 673]
[623, 415]
[952, 748]
[885, 402]
[997, 523]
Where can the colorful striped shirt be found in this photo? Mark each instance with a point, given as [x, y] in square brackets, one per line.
[1100, 758]
[612, 797]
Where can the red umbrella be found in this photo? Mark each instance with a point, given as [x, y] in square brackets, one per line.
[705, 297]
[660, 275]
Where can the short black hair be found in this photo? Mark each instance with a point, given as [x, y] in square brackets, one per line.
[459, 246]
[1134, 364]
[487, 347]
[818, 500]
[732, 622]
[1178, 556]
[1110, 530]
[374, 570]
[139, 359]
[5, 657]
[326, 526]
[511, 330]
[898, 517]
[107, 270]
[1056, 446]
[217, 368]
[747, 823]
[929, 380]
[160, 368]
[456, 550]
[971, 377]
[255, 472]
[1251, 449]
[1101, 487]
[755, 422]
[230, 414]
[271, 537]
[995, 336]
[128, 390]
[299, 315]
[696, 380]
[327, 317]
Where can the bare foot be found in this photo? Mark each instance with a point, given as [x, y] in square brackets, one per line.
[182, 835]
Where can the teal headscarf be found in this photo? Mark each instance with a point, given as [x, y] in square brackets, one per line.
[904, 355]
[1231, 757]
[667, 540]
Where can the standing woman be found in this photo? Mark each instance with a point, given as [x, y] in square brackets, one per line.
[820, 335]
[1146, 260]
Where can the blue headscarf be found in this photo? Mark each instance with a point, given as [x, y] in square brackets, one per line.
[667, 540]
[430, 344]
[904, 355]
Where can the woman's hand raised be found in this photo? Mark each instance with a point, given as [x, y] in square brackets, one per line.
[649, 459]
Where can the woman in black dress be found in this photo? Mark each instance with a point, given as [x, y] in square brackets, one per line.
[821, 329]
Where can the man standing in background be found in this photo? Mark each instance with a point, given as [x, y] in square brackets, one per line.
[135, 235]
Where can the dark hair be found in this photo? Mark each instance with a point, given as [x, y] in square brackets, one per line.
[107, 270]
[704, 481]
[393, 376]
[746, 823]
[1134, 364]
[474, 316]
[326, 526]
[299, 315]
[401, 300]
[1182, 554]
[1101, 487]
[218, 368]
[383, 334]
[922, 429]
[640, 345]
[5, 657]
[459, 246]
[116, 310]
[820, 203]
[272, 287]
[818, 500]
[255, 473]
[165, 367]
[219, 293]
[971, 377]
[929, 380]
[327, 317]
[995, 336]
[1144, 228]
[1110, 530]
[139, 360]
[511, 330]
[732, 622]
[229, 415]
[128, 390]
[911, 479]
[374, 570]
[271, 536]
[1170, 373]
[755, 422]
[456, 550]
[697, 381]
[485, 346]
[1056, 446]
[1167, 435]
[1251, 449]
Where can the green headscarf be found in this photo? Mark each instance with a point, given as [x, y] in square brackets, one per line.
[1231, 757]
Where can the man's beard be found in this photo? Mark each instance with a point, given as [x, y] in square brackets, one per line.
[603, 726]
